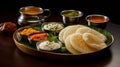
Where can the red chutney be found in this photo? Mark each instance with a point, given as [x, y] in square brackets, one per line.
[97, 19]
[38, 36]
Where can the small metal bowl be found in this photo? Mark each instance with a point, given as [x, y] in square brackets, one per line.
[71, 16]
[51, 49]
[33, 42]
[51, 30]
[97, 20]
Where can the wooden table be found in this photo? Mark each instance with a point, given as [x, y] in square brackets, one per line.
[11, 56]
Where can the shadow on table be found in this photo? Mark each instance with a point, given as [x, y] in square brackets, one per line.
[100, 60]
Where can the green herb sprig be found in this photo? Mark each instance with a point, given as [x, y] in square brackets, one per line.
[53, 37]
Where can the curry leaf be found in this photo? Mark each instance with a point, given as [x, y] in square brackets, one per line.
[52, 37]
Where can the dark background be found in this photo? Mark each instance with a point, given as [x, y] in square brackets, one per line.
[105, 7]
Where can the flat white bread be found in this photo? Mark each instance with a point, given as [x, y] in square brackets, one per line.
[79, 44]
[69, 47]
[93, 41]
[66, 31]
[71, 30]
[61, 33]
[89, 30]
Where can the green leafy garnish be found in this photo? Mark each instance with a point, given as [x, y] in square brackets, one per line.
[37, 27]
[53, 37]
[64, 50]
[27, 43]
[104, 32]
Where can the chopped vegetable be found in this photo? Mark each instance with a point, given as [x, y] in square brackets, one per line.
[28, 31]
[38, 36]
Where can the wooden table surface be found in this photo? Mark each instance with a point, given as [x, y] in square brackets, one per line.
[11, 56]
